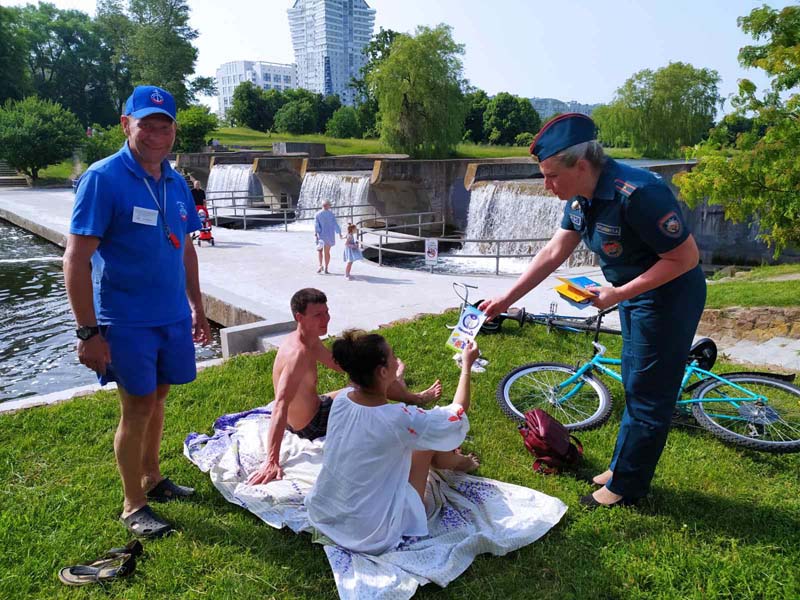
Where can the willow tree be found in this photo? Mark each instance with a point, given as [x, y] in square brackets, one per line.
[419, 87]
[757, 179]
[661, 111]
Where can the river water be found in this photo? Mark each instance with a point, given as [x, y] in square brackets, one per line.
[37, 331]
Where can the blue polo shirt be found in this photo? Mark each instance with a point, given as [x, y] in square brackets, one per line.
[631, 219]
[138, 276]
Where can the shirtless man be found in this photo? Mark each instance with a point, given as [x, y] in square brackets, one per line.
[298, 407]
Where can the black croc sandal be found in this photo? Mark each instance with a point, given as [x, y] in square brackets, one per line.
[145, 523]
[99, 571]
[166, 490]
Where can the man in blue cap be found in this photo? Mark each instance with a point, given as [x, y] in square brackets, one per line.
[132, 279]
[630, 218]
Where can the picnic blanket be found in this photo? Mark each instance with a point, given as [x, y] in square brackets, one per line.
[467, 515]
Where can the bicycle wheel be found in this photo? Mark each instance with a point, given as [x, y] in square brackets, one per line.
[537, 385]
[771, 426]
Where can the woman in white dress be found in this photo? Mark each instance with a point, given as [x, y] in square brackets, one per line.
[370, 492]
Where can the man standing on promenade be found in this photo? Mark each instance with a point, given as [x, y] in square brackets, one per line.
[132, 279]
[298, 407]
[325, 230]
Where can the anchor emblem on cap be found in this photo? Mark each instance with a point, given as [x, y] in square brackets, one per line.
[157, 97]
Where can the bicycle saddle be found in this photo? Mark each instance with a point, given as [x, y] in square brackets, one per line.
[704, 351]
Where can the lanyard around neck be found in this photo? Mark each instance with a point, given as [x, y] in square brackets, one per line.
[171, 237]
[163, 211]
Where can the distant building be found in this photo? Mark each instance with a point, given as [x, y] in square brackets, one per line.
[328, 38]
[547, 107]
[265, 75]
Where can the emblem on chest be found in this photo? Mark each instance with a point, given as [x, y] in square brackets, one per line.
[612, 248]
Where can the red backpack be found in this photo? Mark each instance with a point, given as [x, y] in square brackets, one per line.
[549, 441]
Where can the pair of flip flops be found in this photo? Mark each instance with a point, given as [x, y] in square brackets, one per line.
[146, 523]
[116, 563]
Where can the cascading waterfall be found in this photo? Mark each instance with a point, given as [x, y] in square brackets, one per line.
[229, 184]
[341, 189]
[513, 210]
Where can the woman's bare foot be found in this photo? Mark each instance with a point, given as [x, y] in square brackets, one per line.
[432, 394]
[603, 478]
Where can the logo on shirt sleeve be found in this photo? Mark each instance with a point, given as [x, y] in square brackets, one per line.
[670, 225]
[577, 220]
[612, 248]
[182, 211]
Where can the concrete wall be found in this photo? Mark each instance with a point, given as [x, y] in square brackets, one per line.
[312, 149]
[199, 164]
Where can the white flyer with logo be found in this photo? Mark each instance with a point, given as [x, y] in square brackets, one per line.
[469, 323]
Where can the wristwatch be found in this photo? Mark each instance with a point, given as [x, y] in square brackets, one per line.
[86, 332]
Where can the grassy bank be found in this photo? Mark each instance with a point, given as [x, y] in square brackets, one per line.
[763, 286]
[241, 136]
[720, 523]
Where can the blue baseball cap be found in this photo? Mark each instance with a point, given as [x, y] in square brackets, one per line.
[148, 100]
[562, 132]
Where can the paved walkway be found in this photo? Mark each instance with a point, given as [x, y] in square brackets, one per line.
[260, 270]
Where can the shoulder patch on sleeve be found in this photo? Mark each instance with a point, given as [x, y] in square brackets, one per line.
[626, 188]
[670, 225]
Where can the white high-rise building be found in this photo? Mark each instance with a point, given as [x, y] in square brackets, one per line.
[266, 75]
[328, 38]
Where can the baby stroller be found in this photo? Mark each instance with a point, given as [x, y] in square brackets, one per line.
[204, 235]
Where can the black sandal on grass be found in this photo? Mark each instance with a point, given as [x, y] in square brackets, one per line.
[145, 523]
[165, 490]
[99, 571]
[132, 548]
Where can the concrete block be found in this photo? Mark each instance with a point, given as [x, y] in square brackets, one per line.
[245, 338]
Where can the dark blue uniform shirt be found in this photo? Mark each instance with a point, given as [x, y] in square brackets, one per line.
[632, 218]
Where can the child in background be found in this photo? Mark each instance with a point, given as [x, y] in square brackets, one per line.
[352, 252]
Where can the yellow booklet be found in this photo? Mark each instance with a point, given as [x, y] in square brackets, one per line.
[574, 291]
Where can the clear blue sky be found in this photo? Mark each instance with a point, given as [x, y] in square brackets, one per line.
[568, 49]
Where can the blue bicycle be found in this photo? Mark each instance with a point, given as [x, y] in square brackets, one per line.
[756, 410]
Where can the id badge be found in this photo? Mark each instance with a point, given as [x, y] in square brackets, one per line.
[145, 216]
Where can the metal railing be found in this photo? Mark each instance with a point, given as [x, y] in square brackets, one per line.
[368, 225]
[385, 237]
[278, 213]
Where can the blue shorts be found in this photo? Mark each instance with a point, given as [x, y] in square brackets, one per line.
[144, 357]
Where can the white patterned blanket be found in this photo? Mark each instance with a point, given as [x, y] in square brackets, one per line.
[469, 515]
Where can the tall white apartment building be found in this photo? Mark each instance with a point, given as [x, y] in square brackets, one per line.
[328, 38]
[266, 75]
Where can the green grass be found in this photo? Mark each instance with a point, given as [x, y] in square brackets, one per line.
[58, 174]
[242, 136]
[721, 522]
[754, 293]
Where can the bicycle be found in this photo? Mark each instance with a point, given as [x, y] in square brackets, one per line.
[755, 410]
[551, 320]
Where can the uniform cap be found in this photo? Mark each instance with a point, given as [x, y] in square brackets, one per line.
[562, 132]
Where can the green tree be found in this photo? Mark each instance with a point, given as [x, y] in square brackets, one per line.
[160, 46]
[67, 61]
[114, 28]
[524, 139]
[296, 117]
[664, 110]
[35, 133]
[758, 178]
[327, 107]
[611, 126]
[194, 126]
[507, 116]
[477, 101]
[13, 74]
[249, 107]
[419, 91]
[366, 103]
[103, 142]
[343, 124]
